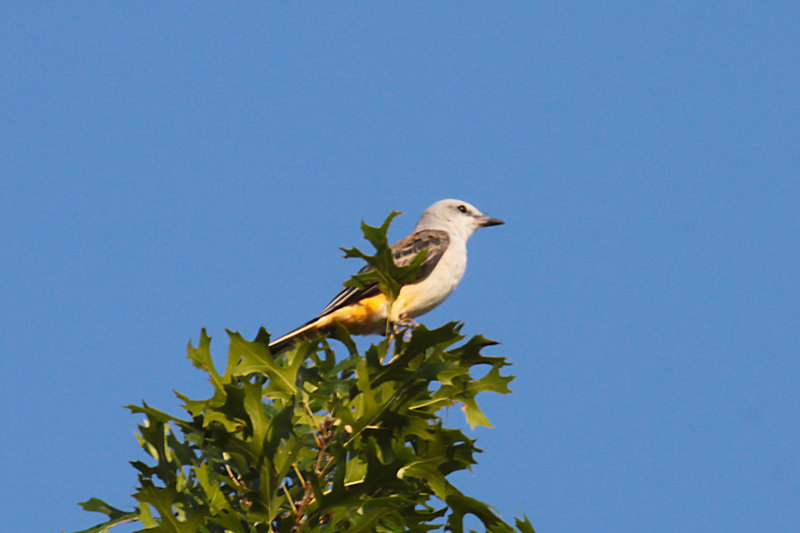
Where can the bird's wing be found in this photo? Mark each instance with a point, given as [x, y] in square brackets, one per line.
[403, 252]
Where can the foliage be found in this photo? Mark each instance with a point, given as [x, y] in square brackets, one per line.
[381, 267]
[310, 439]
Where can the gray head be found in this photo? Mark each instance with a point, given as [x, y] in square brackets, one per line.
[455, 216]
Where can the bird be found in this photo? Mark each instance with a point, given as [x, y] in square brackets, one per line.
[443, 230]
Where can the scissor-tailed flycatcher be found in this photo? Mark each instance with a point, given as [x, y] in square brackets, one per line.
[442, 229]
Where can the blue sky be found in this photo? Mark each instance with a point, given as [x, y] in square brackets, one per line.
[195, 164]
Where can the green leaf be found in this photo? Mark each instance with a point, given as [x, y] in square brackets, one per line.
[146, 516]
[254, 357]
[211, 486]
[97, 505]
[254, 410]
[462, 505]
[341, 334]
[153, 414]
[163, 500]
[356, 471]
[429, 471]
[193, 407]
[116, 516]
[201, 358]
[230, 520]
[492, 381]
[474, 415]
[381, 266]
[321, 437]
[525, 525]
[106, 526]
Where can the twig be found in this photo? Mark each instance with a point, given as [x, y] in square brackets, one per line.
[314, 418]
[233, 478]
[122, 522]
[322, 441]
[299, 475]
[289, 497]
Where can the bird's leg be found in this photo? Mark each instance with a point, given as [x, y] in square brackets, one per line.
[408, 322]
[404, 325]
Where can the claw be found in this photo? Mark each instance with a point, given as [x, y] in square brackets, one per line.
[405, 326]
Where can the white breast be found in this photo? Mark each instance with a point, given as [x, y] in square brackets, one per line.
[418, 299]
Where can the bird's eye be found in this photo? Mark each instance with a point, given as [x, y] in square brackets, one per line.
[462, 208]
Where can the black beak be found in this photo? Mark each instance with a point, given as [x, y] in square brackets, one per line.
[489, 221]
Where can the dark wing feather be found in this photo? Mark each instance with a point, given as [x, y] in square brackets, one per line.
[403, 251]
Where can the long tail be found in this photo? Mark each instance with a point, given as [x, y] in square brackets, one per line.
[307, 330]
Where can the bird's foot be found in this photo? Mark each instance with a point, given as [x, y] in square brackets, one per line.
[404, 326]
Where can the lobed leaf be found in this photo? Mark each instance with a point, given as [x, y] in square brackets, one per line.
[321, 437]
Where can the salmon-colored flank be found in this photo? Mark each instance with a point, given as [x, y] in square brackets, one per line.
[364, 317]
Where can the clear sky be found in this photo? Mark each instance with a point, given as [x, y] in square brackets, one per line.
[172, 166]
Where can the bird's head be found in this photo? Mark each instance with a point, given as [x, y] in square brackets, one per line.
[455, 216]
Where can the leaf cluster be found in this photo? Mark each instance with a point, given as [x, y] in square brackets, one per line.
[381, 268]
[314, 440]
